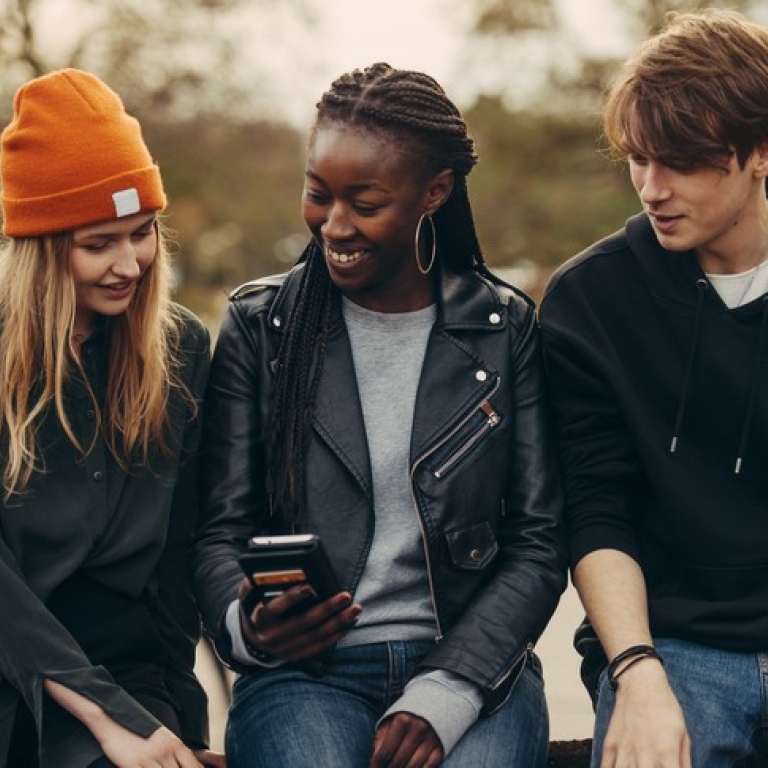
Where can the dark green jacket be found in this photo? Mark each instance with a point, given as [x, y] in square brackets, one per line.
[126, 530]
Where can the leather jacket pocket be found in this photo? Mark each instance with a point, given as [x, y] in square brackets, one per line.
[472, 548]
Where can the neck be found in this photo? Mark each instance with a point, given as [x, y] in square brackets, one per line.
[742, 248]
[734, 261]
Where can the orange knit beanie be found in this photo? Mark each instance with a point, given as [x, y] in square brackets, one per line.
[71, 156]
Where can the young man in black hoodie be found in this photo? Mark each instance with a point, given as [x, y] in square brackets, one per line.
[655, 339]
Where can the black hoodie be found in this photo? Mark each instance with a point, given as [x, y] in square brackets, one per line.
[645, 357]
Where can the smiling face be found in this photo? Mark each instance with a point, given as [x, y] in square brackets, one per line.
[362, 201]
[721, 214]
[107, 262]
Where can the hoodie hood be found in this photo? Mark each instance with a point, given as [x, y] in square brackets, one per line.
[674, 276]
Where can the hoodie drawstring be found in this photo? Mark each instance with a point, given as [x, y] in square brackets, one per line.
[747, 425]
[701, 288]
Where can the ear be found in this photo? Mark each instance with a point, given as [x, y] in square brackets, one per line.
[438, 190]
[761, 160]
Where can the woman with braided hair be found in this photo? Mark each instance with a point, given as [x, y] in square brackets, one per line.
[386, 395]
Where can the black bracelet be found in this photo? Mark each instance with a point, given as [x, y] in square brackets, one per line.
[631, 663]
[633, 650]
[632, 655]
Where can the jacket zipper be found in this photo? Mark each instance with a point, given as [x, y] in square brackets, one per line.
[506, 675]
[430, 577]
[491, 421]
[511, 668]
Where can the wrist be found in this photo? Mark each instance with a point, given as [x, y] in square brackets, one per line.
[93, 717]
[256, 653]
[630, 659]
[88, 712]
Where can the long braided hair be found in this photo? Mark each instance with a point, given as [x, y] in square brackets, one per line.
[412, 107]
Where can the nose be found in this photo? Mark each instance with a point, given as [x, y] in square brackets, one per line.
[338, 223]
[653, 183]
[126, 264]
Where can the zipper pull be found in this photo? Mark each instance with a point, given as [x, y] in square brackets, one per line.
[493, 417]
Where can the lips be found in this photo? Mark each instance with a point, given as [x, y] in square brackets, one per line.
[340, 257]
[664, 223]
[119, 290]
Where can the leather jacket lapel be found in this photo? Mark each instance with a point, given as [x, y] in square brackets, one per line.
[338, 415]
[438, 406]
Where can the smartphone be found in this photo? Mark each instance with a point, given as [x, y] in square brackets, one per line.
[274, 564]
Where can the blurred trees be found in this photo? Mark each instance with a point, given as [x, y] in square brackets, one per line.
[234, 190]
[541, 192]
[575, 82]
[174, 56]
[647, 16]
[513, 16]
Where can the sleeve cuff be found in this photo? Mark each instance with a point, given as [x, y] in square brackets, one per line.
[238, 645]
[451, 704]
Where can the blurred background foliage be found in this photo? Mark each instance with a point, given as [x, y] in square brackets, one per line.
[232, 164]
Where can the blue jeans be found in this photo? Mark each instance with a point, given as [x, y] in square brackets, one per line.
[285, 717]
[724, 697]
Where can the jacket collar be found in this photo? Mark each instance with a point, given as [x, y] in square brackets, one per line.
[467, 301]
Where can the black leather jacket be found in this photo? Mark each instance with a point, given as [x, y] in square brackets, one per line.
[483, 466]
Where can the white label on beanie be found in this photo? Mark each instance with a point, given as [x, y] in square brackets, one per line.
[126, 202]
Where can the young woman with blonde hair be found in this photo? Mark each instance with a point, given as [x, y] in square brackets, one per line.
[100, 380]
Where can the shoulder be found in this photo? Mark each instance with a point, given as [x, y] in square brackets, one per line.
[258, 287]
[264, 303]
[258, 299]
[260, 292]
[193, 334]
[190, 348]
[595, 263]
[520, 308]
[478, 300]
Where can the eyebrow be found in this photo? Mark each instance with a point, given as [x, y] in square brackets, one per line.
[107, 233]
[363, 187]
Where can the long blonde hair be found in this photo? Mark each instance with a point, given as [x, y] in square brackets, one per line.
[37, 311]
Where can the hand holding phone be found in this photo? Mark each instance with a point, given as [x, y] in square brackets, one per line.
[275, 564]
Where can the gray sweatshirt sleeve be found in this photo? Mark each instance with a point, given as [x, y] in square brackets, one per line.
[450, 703]
[239, 649]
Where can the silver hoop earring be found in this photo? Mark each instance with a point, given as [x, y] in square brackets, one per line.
[417, 248]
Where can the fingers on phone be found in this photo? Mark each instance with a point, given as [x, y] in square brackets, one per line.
[301, 602]
[248, 604]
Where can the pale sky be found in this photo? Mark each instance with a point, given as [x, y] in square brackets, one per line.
[294, 66]
[414, 34]
[426, 35]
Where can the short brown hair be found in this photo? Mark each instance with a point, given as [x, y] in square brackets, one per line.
[694, 94]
